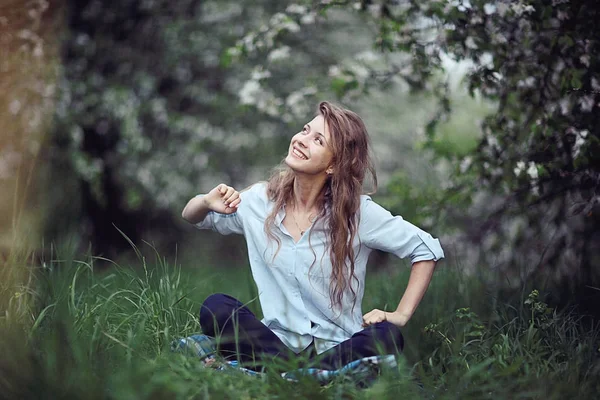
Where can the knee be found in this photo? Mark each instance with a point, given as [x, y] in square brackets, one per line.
[214, 311]
[389, 335]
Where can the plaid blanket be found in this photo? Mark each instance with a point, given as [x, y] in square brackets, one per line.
[363, 370]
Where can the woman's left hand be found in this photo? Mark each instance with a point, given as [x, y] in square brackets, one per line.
[376, 316]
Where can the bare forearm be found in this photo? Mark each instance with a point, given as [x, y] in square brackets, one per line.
[420, 276]
[222, 199]
[195, 210]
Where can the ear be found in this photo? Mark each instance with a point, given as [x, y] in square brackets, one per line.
[329, 171]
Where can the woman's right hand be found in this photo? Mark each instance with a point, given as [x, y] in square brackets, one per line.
[223, 199]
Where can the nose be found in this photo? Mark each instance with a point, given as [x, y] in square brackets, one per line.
[301, 140]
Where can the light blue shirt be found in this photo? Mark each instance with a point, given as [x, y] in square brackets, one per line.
[295, 296]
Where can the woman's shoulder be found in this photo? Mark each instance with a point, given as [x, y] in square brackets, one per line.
[255, 193]
[255, 202]
[370, 211]
[365, 201]
[256, 188]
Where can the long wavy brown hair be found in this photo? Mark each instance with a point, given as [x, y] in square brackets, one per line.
[339, 201]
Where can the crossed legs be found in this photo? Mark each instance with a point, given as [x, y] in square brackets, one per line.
[242, 335]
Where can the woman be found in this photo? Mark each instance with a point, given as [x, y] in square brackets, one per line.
[309, 233]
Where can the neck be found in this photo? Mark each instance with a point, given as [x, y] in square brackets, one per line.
[307, 190]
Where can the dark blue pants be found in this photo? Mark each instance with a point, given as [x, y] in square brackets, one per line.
[243, 336]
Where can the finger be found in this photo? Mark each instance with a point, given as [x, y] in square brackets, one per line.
[370, 322]
[375, 317]
[367, 315]
[232, 198]
[227, 196]
[222, 188]
[371, 313]
[224, 192]
[232, 204]
[235, 203]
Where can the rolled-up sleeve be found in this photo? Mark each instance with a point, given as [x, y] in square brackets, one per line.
[225, 224]
[379, 229]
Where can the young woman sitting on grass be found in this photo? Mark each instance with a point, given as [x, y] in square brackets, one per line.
[309, 232]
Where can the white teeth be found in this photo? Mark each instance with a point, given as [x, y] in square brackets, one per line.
[296, 152]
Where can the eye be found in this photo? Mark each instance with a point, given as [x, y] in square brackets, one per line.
[319, 140]
[305, 129]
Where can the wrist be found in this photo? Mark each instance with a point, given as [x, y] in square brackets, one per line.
[205, 202]
[398, 318]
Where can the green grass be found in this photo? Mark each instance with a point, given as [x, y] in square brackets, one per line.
[75, 332]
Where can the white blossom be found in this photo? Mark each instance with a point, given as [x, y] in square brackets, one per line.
[527, 82]
[309, 18]
[476, 19]
[283, 22]
[360, 71]
[489, 8]
[76, 136]
[562, 15]
[296, 9]
[269, 104]
[291, 26]
[465, 164]
[297, 102]
[367, 56]
[278, 54]
[579, 141]
[586, 103]
[520, 8]
[82, 39]
[502, 9]
[249, 92]
[493, 142]
[146, 177]
[532, 171]
[248, 42]
[519, 168]
[234, 51]
[565, 106]
[334, 71]
[88, 168]
[259, 73]
[585, 60]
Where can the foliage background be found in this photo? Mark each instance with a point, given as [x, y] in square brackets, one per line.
[483, 119]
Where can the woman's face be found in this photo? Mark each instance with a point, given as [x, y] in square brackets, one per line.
[311, 149]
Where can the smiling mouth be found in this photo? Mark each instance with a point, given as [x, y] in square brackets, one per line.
[299, 154]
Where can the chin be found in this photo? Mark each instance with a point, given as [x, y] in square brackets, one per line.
[289, 161]
[292, 163]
